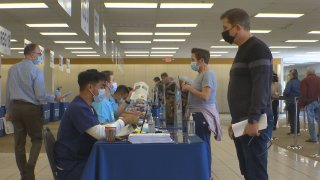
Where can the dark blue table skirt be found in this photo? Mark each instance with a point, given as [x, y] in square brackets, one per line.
[125, 161]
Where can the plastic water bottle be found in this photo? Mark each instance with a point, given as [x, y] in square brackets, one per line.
[191, 126]
[151, 125]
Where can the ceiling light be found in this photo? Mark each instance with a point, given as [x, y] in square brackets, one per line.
[260, 31]
[69, 42]
[314, 32]
[219, 52]
[78, 48]
[314, 52]
[275, 52]
[88, 55]
[135, 52]
[186, 5]
[135, 42]
[48, 25]
[13, 40]
[22, 5]
[161, 55]
[169, 40]
[163, 52]
[16, 48]
[171, 34]
[301, 41]
[21, 52]
[163, 48]
[58, 33]
[83, 52]
[215, 55]
[222, 47]
[135, 55]
[131, 5]
[278, 15]
[176, 25]
[282, 47]
[134, 33]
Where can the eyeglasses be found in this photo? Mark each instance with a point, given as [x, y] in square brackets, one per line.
[268, 146]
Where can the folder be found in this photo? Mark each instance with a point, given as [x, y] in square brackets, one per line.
[238, 128]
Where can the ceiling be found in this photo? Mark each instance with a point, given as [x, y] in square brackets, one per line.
[205, 35]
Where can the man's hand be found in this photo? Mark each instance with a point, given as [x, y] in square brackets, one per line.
[58, 98]
[185, 87]
[252, 129]
[7, 116]
[230, 132]
[130, 119]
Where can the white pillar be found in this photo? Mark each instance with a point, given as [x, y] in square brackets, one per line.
[48, 73]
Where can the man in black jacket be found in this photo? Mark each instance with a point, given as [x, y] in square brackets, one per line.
[249, 93]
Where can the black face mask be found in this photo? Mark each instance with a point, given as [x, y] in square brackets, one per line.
[226, 36]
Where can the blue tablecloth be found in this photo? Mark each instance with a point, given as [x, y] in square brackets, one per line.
[125, 161]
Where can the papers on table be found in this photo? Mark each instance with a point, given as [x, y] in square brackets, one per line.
[238, 128]
[150, 138]
[141, 90]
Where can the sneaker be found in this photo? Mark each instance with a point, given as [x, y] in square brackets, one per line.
[310, 140]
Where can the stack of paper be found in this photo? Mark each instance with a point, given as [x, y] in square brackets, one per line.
[150, 138]
[238, 128]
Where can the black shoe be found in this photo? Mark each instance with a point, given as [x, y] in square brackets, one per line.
[310, 140]
[274, 128]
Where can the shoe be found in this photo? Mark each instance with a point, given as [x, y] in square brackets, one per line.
[292, 134]
[289, 133]
[310, 140]
[274, 128]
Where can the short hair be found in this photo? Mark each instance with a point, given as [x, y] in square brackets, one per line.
[294, 73]
[275, 77]
[164, 75]
[90, 76]
[108, 75]
[122, 89]
[237, 16]
[201, 54]
[157, 79]
[30, 48]
[310, 70]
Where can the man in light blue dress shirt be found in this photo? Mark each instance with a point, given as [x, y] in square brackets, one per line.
[25, 92]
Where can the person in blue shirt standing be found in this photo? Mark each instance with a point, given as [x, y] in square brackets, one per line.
[25, 92]
[80, 128]
[291, 91]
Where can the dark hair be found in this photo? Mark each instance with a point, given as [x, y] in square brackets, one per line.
[237, 16]
[164, 75]
[122, 89]
[157, 79]
[30, 48]
[201, 54]
[294, 73]
[275, 77]
[107, 74]
[130, 88]
[90, 76]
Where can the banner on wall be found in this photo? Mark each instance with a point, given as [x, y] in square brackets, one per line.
[52, 59]
[96, 28]
[68, 68]
[60, 63]
[104, 39]
[66, 5]
[26, 42]
[85, 16]
[5, 43]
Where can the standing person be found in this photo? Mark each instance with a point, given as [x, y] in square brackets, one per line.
[249, 93]
[275, 93]
[291, 91]
[202, 99]
[310, 94]
[24, 95]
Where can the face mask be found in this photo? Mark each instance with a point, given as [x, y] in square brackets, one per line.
[226, 36]
[114, 87]
[100, 96]
[38, 60]
[194, 66]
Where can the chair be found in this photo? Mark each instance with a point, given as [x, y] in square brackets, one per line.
[49, 142]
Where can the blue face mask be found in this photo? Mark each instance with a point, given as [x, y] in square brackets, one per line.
[100, 96]
[194, 66]
[38, 60]
[114, 87]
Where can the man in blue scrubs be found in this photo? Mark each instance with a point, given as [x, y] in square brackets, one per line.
[80, 129]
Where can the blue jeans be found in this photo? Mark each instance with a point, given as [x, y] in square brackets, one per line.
[252, 152]
[312, 110]
[202, 130]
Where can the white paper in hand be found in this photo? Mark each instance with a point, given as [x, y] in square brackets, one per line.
[238, 128]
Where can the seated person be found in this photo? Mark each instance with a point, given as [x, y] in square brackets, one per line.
[102, 105]
[120, 100]
[80, 129]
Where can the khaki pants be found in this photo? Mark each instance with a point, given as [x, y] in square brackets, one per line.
[26, 119]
